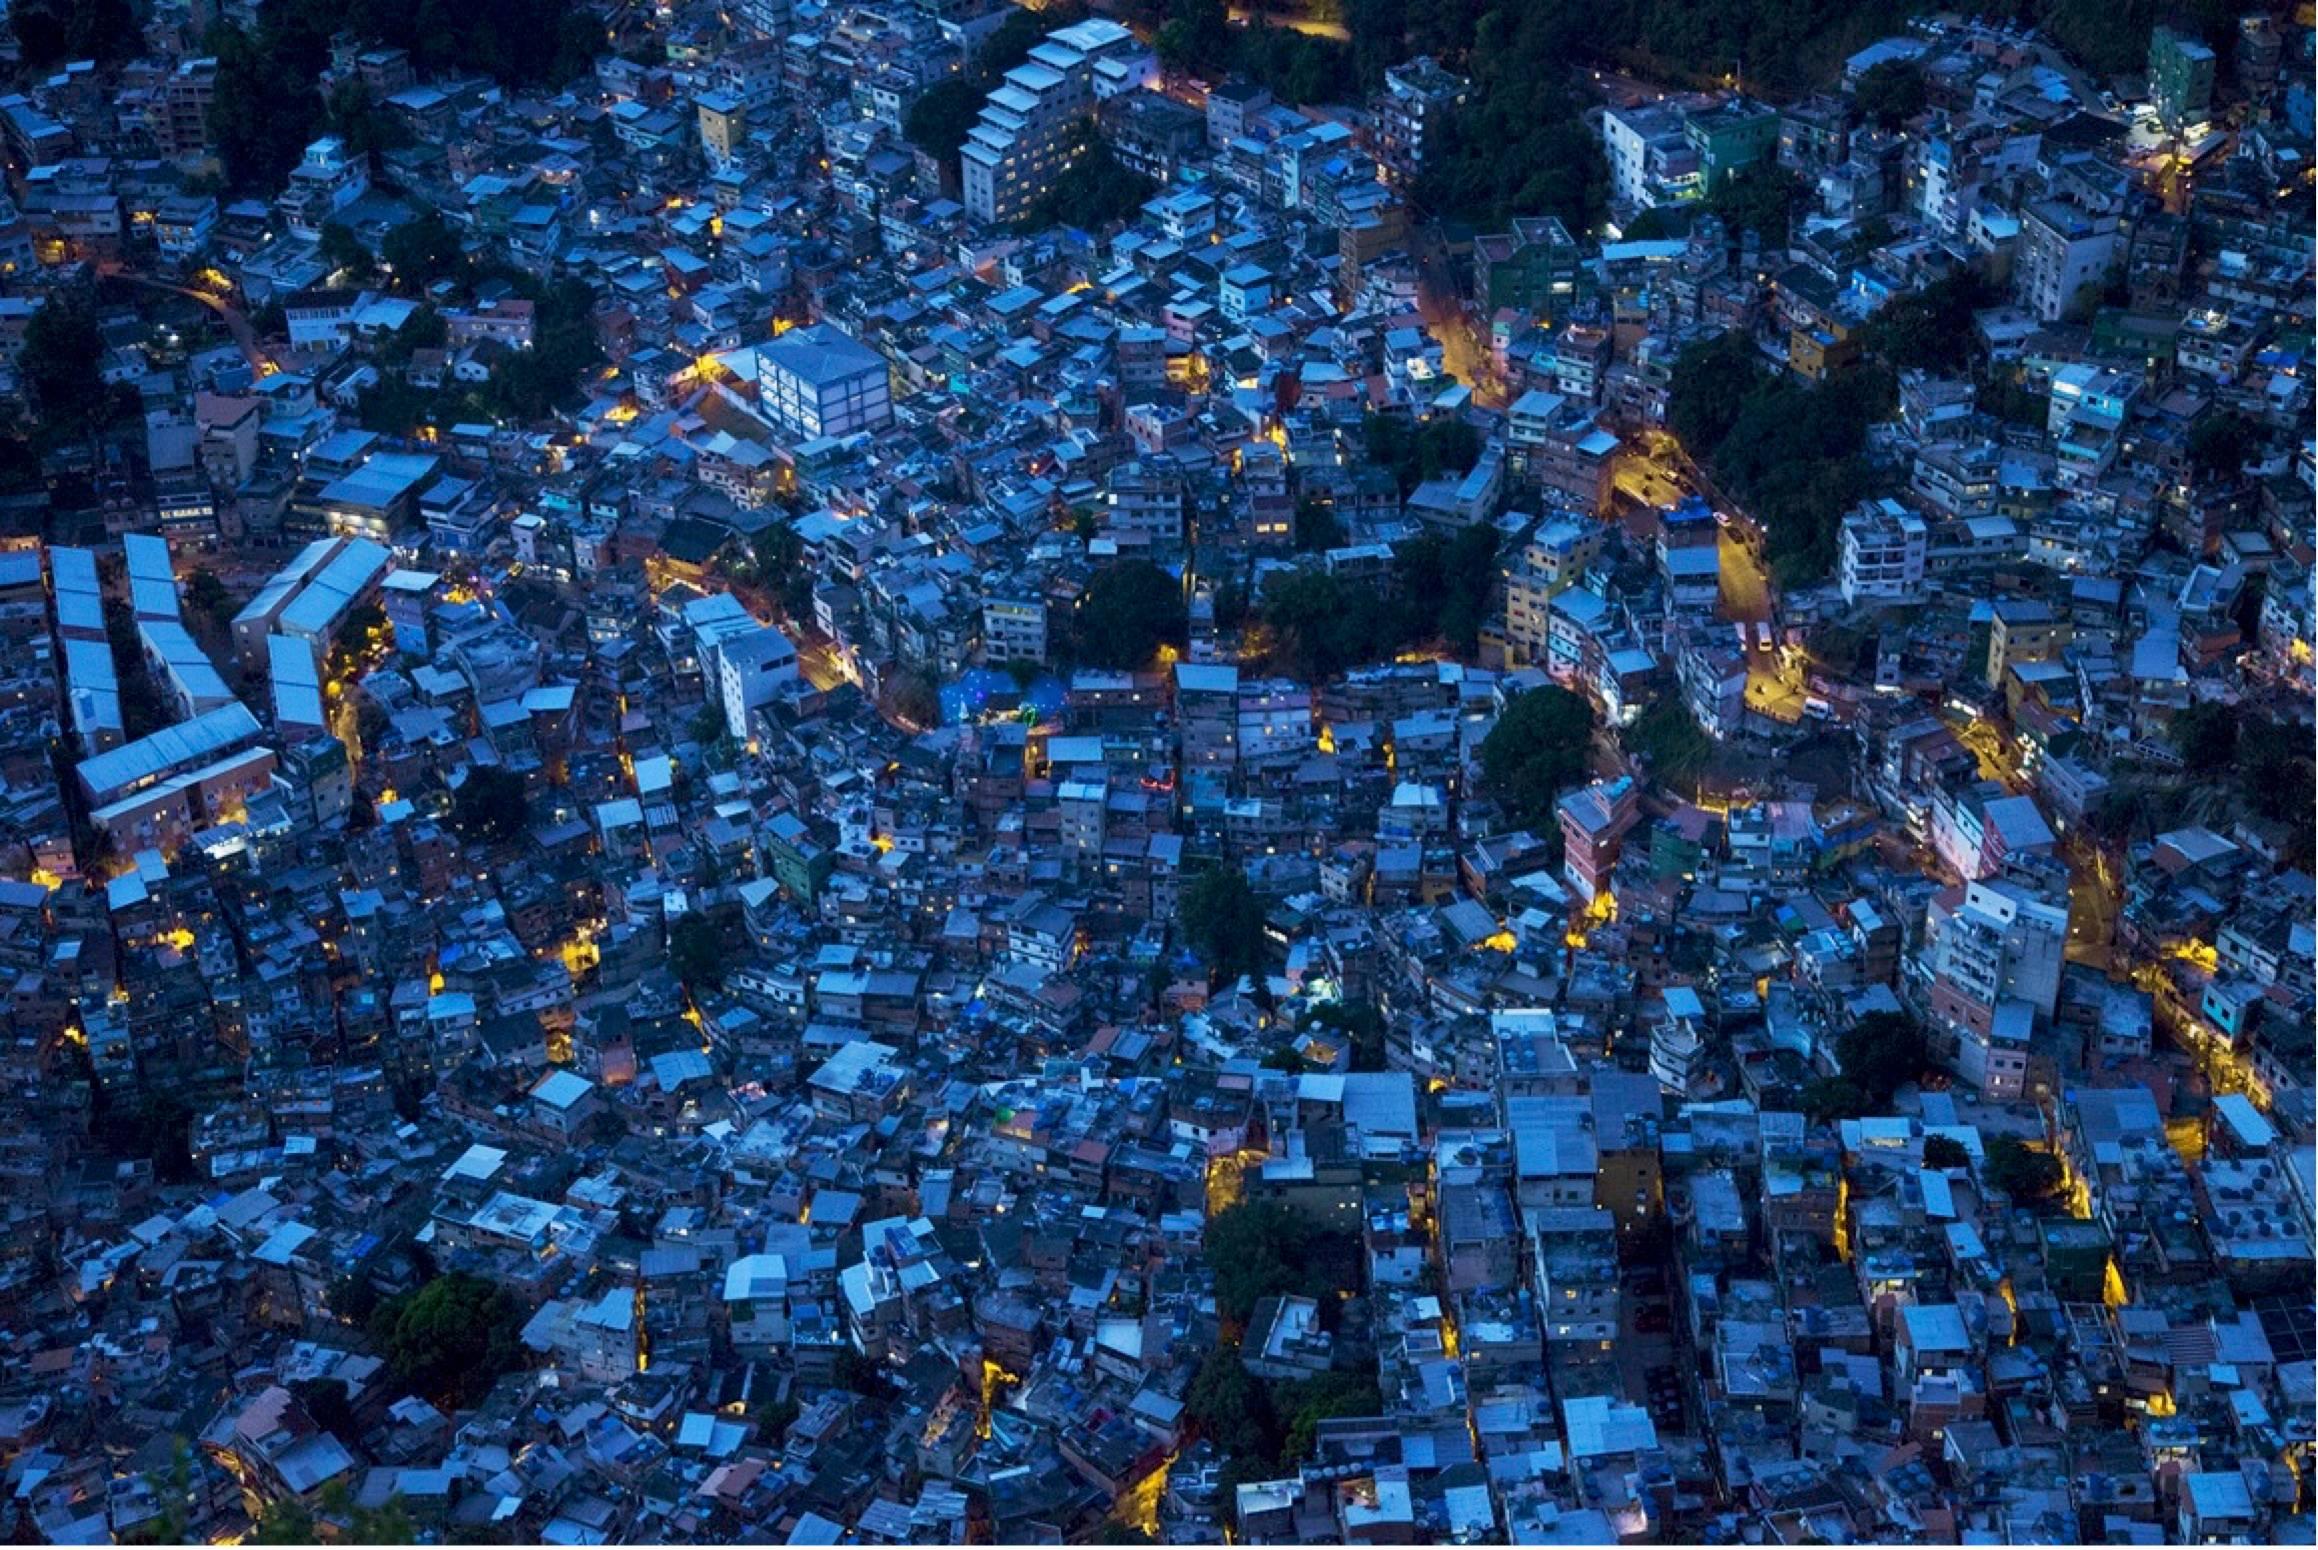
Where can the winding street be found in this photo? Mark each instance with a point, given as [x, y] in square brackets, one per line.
[237, 323]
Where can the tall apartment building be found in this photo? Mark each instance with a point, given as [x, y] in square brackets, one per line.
[1143, 499]
[1594, 820]
[1652, 161]
[324, 183]
[1033, 125]
[2181, 72]
[816, 381]
[1880, 554]
[1207, 713]
[2062, 250]
[182, 127]
[1408, 112]
[1994, 960]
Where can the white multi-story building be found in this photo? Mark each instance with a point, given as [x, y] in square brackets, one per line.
[1143, 500]
[1880, 554]
[750, 669]
[1651, 161]
[817, 381]
[1032, 126]
[1995, 962]
[2063, 250]
[1014, 629]
[324, 183]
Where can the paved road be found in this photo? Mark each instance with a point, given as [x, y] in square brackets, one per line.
[1464, 354]
[1334, 31]
[236, 323]
[2092, 906]
[1774, 687]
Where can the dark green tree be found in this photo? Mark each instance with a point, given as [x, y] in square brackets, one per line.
[2221, 443]
[423, 250]
[1831, 1098]
[490, 806]
[1536, 751]
[944, 113]
[1930, 329]
[1891, 93]
[1763, 198]
[450, 1339]
[1307, 1402]
[1229, 1406]
[344, 253]
[1670, 739]
[2205, 734]
[1322, 625]
[1130, 610]
[1197, 38]
[1360, 1023]
[1880, 1053]
[1945, 1152]
[1092, 192]
[1257, 1249]
[366, 128]
[288, 1521]
[696, 951]
[1223, 921]
[2030, 1176]
[54, 32]
[58, 364]
[207, 596]
[1713, 379]
[1316, 525]
[266, 108]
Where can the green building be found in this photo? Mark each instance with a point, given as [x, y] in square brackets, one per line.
[1534, 268]
[1730, 137]
[798, 862]
[2180, 79]
[2076, 1258]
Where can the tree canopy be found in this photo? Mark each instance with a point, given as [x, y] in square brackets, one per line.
[1130, 610]
[1930, 329]
[2221, 444]
[423, 250]
[2032, 1177]
[1891, 93]
[944, 114]
[1439, 590]
[1670, 740]
[696, 950]
[50, 32]
[1257, 1249]
[1535, 752]
[450, 1339]
[2205, 734]
[1092, 192]
[269, 105]
[490, 806]
[1358, 1022]
[1880, 1053]
[1794, 453]
[1230, 1405]
[1223, 922]
[62, 354]
[1763, 198]
[1417, 451]
[1945, 1152]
